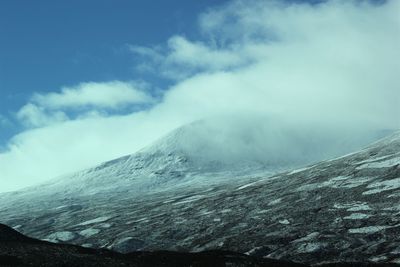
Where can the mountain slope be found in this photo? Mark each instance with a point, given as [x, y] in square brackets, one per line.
[346, 209]
[176, 159]
[204, 153]
[19, 250]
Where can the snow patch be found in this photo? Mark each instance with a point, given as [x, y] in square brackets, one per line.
[63, 236]
[337, 182]
[253, 250]
[189, 199]
[246, 185]
[16, 227]
[378, 258]
[308, 237]
[226, 210]
[285, 222]
[309, 187]
[274, 202]
[299, 170]
[104, 225]
[354, 206]
[380, 164]
[355, 182]
[395, 208]
[373, 159]
[262, 211]
[310, 247]
[96, 220]
[357, 216]
[396, 251]
[383, 186]
[89, 232]
[360, 207]
[127, 244]
[395, 195]
[368, 229]
[206, 212]
[345, 182]
[144, 219]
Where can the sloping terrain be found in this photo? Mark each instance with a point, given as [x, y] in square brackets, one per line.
[200, 154]
[19, 250]
[170, 162]
[342, 210]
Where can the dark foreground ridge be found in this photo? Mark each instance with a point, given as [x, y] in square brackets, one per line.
[19, 250]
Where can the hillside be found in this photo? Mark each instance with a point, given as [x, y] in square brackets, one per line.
[345, 209]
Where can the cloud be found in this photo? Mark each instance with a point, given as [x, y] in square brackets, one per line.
[34, 116]
[90, 99]
[183, 58]
[199, 55]
[112, 95]
[251, 139]
[329, 69]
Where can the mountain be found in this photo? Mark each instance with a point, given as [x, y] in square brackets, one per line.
[180, 159]
[201, 154]
[344, 209]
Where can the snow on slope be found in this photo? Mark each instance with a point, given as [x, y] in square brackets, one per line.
[208, 152]
[180, 159]
[338, 209]
[163, 165]
[201, 154]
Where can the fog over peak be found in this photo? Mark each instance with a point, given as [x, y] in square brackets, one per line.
[243, 139]
[284, 80]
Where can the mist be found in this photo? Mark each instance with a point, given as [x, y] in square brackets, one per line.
[269, 81]
[239, 140]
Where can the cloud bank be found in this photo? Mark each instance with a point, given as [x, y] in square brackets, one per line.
[331, 67]
[88, 98]
[105, 95]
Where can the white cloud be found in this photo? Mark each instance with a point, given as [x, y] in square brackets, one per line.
[331, 67]
[184, 58]
[199, 55]
[34, 116]
[112, 94]
[90, 99]
[153, 53]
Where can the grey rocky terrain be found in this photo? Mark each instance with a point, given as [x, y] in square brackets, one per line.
[18, 250]
[341, 210]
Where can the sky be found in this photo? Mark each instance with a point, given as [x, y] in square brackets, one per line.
[83, 82]
[47, 44]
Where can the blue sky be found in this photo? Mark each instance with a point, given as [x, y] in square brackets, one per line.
[48, 44]
[76, 76]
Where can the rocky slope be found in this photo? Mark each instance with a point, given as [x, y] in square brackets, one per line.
[19, 250]
[346, 209]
